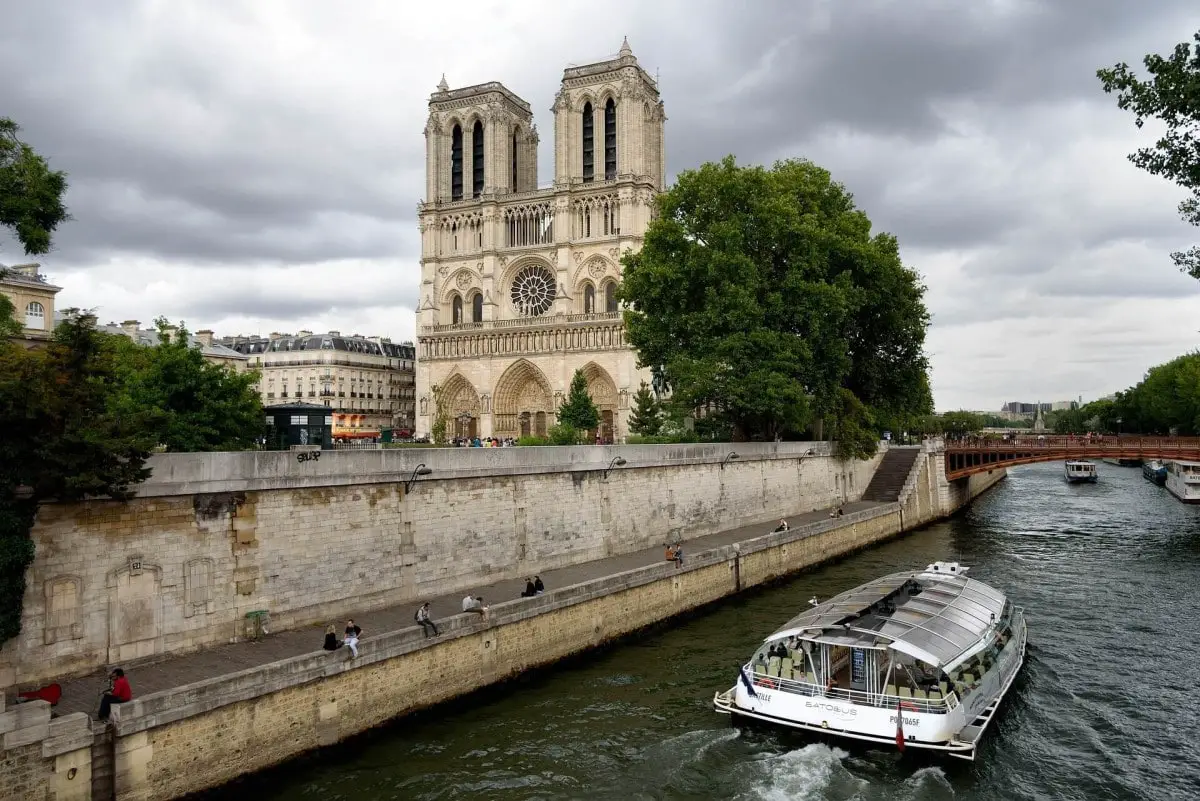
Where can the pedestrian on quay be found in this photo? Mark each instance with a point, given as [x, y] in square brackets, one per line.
[783, 526]
[353, 632]
[426, 622]
[332, 643]
[678, 554]
[538, 585]
[118, 692]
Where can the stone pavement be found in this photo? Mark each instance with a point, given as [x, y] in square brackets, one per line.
[82, 694]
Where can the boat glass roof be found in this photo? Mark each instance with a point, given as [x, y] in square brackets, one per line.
[931, 616]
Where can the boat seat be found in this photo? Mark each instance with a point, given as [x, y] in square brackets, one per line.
[918, 693]
[890, 689]
[968, 678]
[773, 668]
[785, 668]
[905, 692]
[944, 687]
[810, 677]
[934, 695]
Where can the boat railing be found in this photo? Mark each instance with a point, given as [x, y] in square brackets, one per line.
[936, 706]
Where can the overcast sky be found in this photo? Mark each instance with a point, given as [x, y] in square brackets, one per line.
[255, 167]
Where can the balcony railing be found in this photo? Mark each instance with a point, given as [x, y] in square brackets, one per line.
[524, 322]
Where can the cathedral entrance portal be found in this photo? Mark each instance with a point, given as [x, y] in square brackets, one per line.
[603, 392]
[460, 407]
[523, 404]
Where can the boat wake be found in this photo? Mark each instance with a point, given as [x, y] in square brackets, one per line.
[815, 772]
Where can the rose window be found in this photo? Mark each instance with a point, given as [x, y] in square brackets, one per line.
[533, 291]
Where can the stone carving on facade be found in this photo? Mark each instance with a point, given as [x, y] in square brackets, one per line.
[596, 268]
[623, 395]
[486, 404]
[558, 400]
[443, 269]
[63, 599]
[577, 255]
[614, 253]
[464, 279]
[424, 405]
[503, 261]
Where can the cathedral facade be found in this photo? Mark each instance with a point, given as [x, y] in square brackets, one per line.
[518, 280]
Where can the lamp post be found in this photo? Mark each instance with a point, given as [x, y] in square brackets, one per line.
[616, 462]
[421, 470]
[729, 457]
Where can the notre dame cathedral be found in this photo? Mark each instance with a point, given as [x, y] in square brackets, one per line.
[518, 281]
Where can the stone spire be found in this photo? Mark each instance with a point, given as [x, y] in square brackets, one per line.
[626, 50]
[443, 86]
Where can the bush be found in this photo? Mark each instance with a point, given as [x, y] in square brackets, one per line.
[563, 434]
[663, 439]
[533, 440]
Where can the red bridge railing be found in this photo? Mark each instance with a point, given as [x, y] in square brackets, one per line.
[971, 455]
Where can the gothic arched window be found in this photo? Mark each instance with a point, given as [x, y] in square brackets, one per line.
[456, 310]
[477, 159]
[514, 162]
[456, 163]
[610, 140]
[589, 299]
[477, 308]
[589, 144]
[610, 297]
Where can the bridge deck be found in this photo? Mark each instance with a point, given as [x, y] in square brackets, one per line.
[980, 454]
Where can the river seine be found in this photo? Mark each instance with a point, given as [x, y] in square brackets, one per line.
[1107, 707]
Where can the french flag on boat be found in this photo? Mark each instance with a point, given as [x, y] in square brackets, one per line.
[746, 680]
[899, 728]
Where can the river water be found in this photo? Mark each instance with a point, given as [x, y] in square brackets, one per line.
[1106, 707]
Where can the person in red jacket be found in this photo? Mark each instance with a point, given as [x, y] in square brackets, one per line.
[119, 692]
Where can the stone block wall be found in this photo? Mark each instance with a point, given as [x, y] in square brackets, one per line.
[213, 537]
[44, 758]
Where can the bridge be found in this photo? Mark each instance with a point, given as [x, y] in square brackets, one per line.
[972, 455]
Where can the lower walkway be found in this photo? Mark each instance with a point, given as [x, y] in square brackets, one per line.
[82, 694]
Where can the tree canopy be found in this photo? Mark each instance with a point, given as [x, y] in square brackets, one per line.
[31, 194]
[1172, 96]
[188, 403]
[761, 296]
[578, 412]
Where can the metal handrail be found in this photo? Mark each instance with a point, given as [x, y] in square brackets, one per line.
[882, 700]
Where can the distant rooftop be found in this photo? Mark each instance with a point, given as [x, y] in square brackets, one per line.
[148, 337]
[25, 274]
[332, 340]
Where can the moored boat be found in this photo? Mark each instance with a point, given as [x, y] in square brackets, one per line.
[918, 659]
[1155, 471]
[1081, 471]
[1183, 481]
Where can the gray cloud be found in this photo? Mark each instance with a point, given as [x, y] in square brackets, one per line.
[238, 141]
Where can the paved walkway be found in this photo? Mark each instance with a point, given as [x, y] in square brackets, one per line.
[82, 694]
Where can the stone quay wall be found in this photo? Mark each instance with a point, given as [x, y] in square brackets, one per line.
[169, 744]
[314, 536]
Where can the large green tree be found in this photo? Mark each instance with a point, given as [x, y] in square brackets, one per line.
[62, 440]
[762, 296]
[1171, 95]
[31, 194]
[192, 404]
[646, 417]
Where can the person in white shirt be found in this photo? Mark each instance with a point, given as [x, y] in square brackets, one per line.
[474, 604]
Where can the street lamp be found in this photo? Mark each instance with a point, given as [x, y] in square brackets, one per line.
[729, 457]
[616, 462]
[421, 470]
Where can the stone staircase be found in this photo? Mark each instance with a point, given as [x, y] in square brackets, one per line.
[103, 786]
[891, 474]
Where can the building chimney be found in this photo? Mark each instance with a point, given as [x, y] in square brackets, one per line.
[276, 335]
[130, 328]
[304, 333]
[205, 337]
[335, 333]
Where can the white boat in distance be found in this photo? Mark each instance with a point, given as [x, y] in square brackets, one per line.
[1183, 481]
[918, 659]
[1081, 470]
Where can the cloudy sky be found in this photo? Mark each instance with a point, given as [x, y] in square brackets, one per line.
[255, 166]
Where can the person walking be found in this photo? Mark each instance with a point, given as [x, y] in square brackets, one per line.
[353, 632]
[426, 622]
[118, 692]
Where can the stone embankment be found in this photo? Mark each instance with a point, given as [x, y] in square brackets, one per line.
[194, 734]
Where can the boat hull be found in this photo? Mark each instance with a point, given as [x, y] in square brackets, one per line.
[1092, 479]
[956, 733]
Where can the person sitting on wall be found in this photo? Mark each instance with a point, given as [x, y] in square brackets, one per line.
[474, 604]
[118, 692]
[670, 552]
[530, 589]
[538, 585]
[332, 643]
[353, 632]
[840, 511]
[426, 622]
[678, 555]
[783, 526]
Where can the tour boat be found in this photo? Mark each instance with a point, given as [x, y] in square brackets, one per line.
[919, 659]
[1183, 481]
[1155, 471]
[1081, 470]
